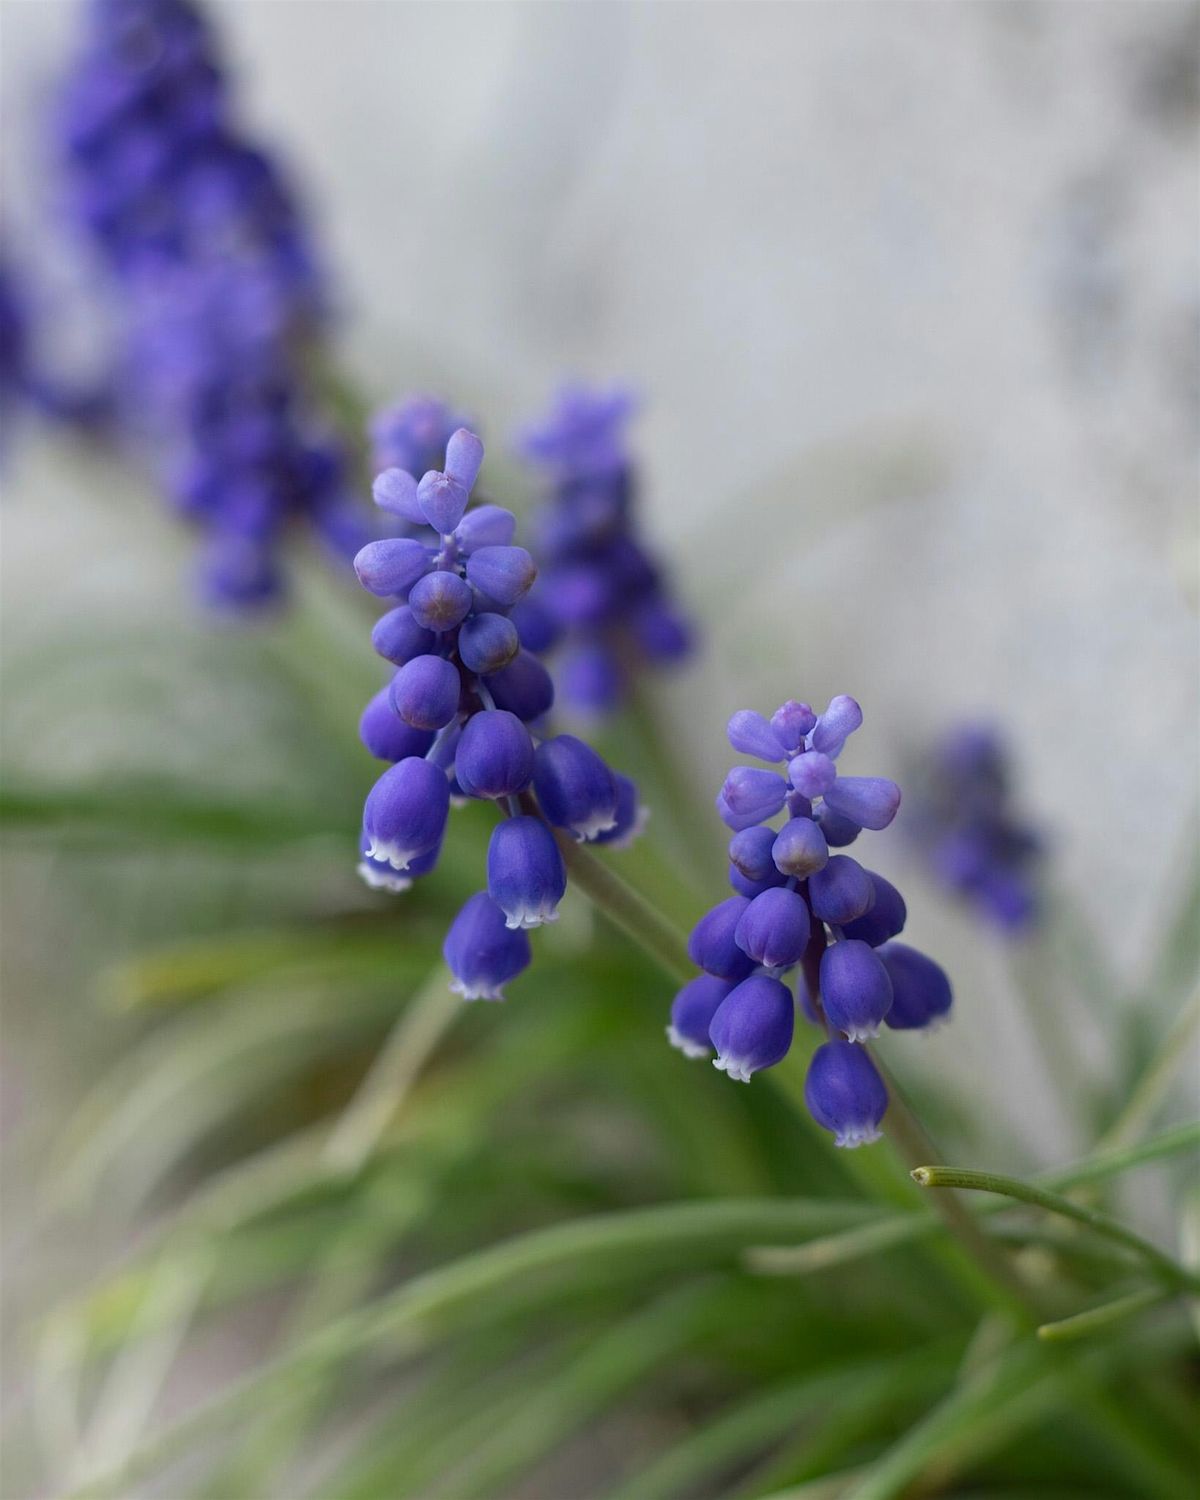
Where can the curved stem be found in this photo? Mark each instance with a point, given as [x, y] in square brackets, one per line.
[1025, 1192]
[627, 909]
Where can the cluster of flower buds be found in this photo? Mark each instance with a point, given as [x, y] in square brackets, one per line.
[460, 719]
[799, 906]
[219, 291]
[966, 829]
[600, 592]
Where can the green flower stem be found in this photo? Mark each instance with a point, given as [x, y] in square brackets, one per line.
[1154, 1084]
[901, 1229]
[1096, 1319]
[1169, 1270]
[912, 1143]
[627, 910]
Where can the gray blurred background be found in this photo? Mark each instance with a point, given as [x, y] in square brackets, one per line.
[911, 294]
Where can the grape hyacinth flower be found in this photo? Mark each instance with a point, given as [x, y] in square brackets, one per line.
[799, 906]
[968, 833]
[600, 593]
[460, 719]
[219, 294]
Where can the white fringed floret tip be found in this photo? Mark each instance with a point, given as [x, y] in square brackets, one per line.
[733, 1068]
[476, 991]
[392, 854]
[597, 824]
[685, 1044]
[529, 917]
[858, 1135]
[383, 880]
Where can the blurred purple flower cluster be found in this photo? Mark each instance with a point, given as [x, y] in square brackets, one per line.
[969, 833]
[220, 296]
[600, 592]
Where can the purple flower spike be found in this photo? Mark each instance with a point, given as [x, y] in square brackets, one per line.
[574, 787]
[392, 566]
[845, 1094]
[791, 722]
[750, 853]
[799, 849]
[442, 500]
[485, 526]
[487, 643]
[395, 490]
[856, 989]
[884, 918]
[405, 812]
[398, 637]
[750, 734]
[632, 816]
[503, 574]
[812, 774]
[482, 951]
[464, 458]
[425, 692]
[921, 993]
[386, 735]
[870, 801]
[836, 725]
[526, 875]
[840, 891]
[774, 928]
[712, 945]
[440, 601]
[494, 757]
[524, 687]
[750, 796]
[752, 1028]
[692, 1012]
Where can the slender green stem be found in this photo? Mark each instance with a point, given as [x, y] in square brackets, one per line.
[627, 909]
[914, 1145]
[1026, 1192]
[1154, 1084]
[1096, 1319]
[899, 1229]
